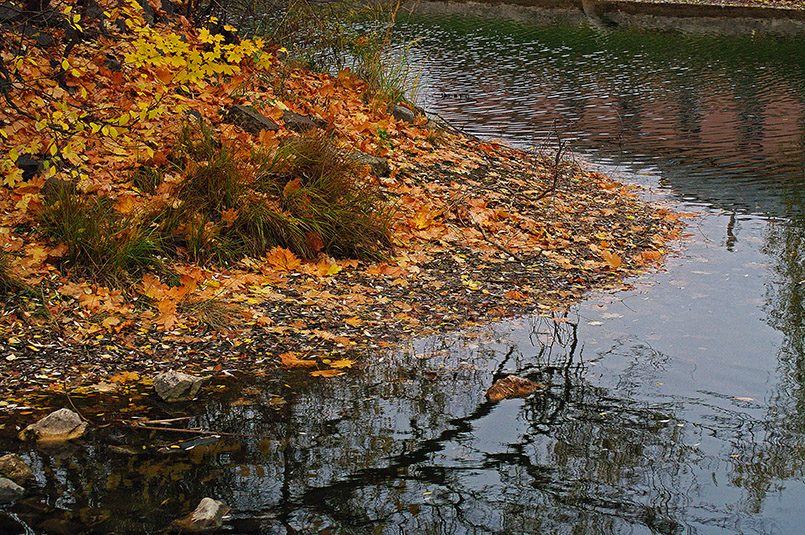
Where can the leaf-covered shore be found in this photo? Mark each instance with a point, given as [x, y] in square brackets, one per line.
[476, 231]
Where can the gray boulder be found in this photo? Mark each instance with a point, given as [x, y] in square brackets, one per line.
[14, 468]
[177, 386]
[300, 123]
[9, 491]
[379, 166]
[250, 119]
[206, 518]
[402, 113]
[58, 426]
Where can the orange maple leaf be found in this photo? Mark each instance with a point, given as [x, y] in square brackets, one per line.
[282, 259]
[612, 259]
[326, 373]
[125, 377]
[291, 360]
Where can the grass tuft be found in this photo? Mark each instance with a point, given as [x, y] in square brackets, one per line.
[101, 244]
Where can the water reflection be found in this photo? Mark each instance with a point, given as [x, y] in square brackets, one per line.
[407, 446]
[722, 117]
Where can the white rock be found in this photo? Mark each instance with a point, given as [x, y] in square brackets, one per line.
[206, 518]
[177, 386]
[57, 426]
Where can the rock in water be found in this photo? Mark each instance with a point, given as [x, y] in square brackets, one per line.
[9, 491]
[512, 387]
[14, 468]
[57, 426]
[206, 518]
[177, 386]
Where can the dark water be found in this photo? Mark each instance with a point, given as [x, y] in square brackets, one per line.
[677, 407]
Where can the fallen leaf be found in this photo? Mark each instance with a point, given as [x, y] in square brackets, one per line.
[291, 360]
[326, 373]
[512, 387]
[612, 259]
[282, 259]
[125, 377]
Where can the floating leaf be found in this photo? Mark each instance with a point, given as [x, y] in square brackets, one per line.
[512, 387]
[291, 360]
[326, 373]
[125, 377]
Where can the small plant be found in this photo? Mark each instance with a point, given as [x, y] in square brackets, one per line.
[146, 178]
[212, 313]
[435, 136]
[101, 244]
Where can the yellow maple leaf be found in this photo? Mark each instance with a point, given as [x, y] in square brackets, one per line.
[343, 363]
[353, 321]
[125, 377]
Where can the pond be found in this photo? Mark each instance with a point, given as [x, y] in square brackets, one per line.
[675, 407]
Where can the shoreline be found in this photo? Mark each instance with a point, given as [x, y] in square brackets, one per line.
[780, 18]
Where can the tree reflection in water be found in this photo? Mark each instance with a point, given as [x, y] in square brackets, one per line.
[408, 445]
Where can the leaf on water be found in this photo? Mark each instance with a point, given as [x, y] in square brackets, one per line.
[343, 363]
[512, 387]
[326, 373]
[291, 360]
[612, 259]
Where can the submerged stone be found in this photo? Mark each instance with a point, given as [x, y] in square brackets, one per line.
[206, 518]
[14, 468]
[58, 426]
[9, 491]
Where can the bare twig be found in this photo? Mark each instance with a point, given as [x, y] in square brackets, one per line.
[557, 171]
[189, 431]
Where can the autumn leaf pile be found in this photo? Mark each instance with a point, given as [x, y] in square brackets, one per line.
[478, 231]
